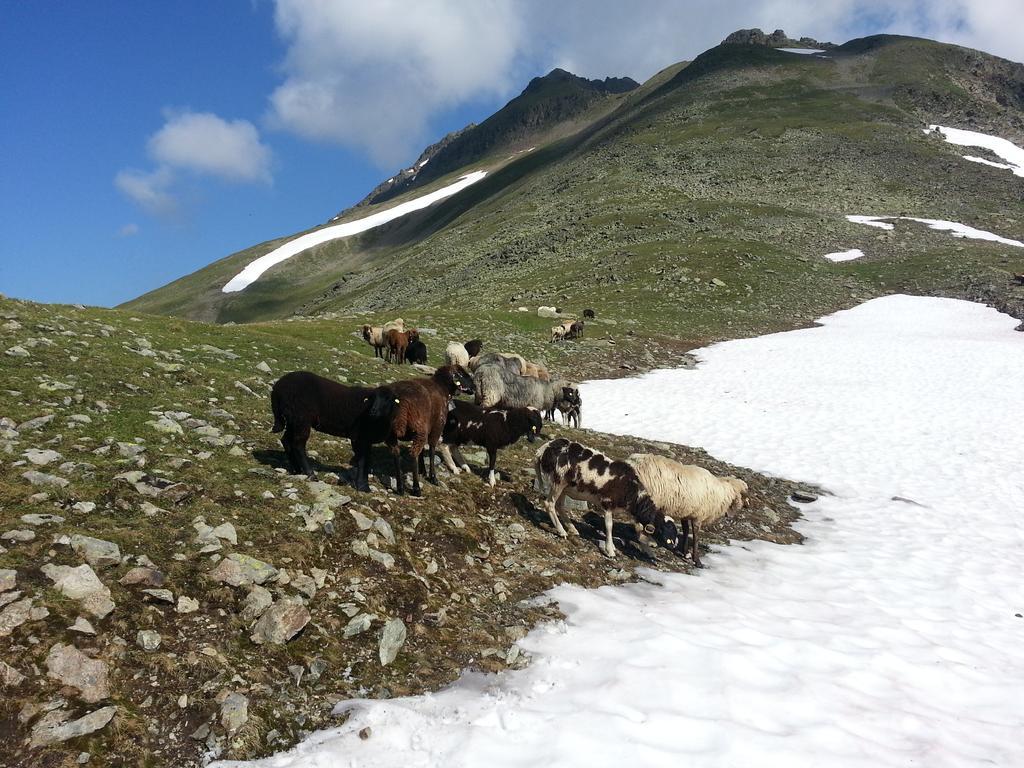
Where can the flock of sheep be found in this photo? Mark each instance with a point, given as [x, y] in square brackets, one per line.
[512, 396]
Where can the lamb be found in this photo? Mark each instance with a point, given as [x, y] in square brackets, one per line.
[302, 401]
[419, 414]
[497, 385]
[416, 353]
[569, 469]
[398, 342]
[491, 429]
[689, 493]
[569, 403]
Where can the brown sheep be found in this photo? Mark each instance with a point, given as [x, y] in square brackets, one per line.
[398, 342]
[420, 411]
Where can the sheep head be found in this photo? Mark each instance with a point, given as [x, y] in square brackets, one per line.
[659, 525]
[536, 425]
[741, 491]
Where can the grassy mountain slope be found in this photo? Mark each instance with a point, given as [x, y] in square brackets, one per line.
[101, 389]
[740, 167]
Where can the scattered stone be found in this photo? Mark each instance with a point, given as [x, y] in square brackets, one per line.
[45, 480]
[160, 595]
[263, 367]
[803, 498]
[364, 733]
[37, 423]
[14, 615]
[391, 639]
[18, 535]
[41, 458]
[147, 639]
[82, 626]
[8, 579]
[238, 570]
[234, 711]
[304, 584]
[97, 552]
[316, 668]
[53, 727]
[384, 529]
[358, 624]
[166, 426]
[716, 282]
[85, 507]
[81, 584]
[225, 531]
[186, 605]
[17, 351]
[363, 523]
[148, 576]
[43, 519]
[256, 602]
[69, 666]
[9, 676]
[280, 623]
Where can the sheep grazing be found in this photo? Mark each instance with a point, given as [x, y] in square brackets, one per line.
[589, 314]
[418, 412]
[569, 403]
[302, 401]
[491, 429]
[456, 354]
[374, 336]
[498, 385]
[398, 342]
[416, 353]
[575, 330]
[689, 493]
[558, 332]
[570, 470]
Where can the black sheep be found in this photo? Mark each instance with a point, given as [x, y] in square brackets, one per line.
[302, 401]
[589, 314]
[473, 347]
[416, 352]
[490, 428]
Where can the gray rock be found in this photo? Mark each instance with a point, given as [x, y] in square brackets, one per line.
[234, 711]
[44, 480]
[384, 529]
[8, 578]
[82, 626]
[238, 570]
[37, 423]
[14, 615]
[17, 351]
[97, 552]
[53, 727]
[9, 676]
[41, 519]
[186, 605]
[147, 639]
[363, 523]
[148, 576]
[280, 623]
[160, 595]
[256, 602]
[391, 639]
[69, 666]
[18, 535]
[304, 584]
[358, 624]
[41, 457]
[85, 507]
[263, 367]
[81, 584]
[166, 426]
[225, 531]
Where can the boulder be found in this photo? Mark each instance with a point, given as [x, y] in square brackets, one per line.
[69, 666]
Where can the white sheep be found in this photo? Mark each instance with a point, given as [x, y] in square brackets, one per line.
[688, 492]
[455, 354]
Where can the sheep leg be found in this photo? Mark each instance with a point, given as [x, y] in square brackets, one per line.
[549, 504]
[609, 543]
[446, 457]
[694, 551]
[432, 471]
[492, 459]
[396, 452]
[298, 439]
[416, 449]
[560, 509]
[361, 453]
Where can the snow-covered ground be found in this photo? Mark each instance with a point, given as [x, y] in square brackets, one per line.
[957, 230]
[255, 268]
[892, 637]
[1003, 148]
[850, 255]
[801, 50]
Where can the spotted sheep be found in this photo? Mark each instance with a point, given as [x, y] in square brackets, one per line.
[566, 469]
[490, 428]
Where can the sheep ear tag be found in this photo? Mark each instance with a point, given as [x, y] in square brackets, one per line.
[397, 401]
[649, 528]
[451, 406]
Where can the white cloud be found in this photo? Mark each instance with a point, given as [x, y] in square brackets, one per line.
[200, 143]
[150, 189]
[206, 143]
[128, 230]
[372, 75]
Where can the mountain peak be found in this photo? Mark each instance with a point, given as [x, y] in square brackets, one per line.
[777, 39]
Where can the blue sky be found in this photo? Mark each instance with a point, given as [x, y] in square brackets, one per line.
[140, 141]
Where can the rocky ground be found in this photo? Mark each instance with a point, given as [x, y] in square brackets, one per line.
[169, 592]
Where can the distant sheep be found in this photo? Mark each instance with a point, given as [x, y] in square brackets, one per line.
[689, 493]
[398, 343]
[589, 314]
[416, 353]
[569, 403]
[456, 354]
[497, 385]
[567, 469]
[491, 429]
[374, 336]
